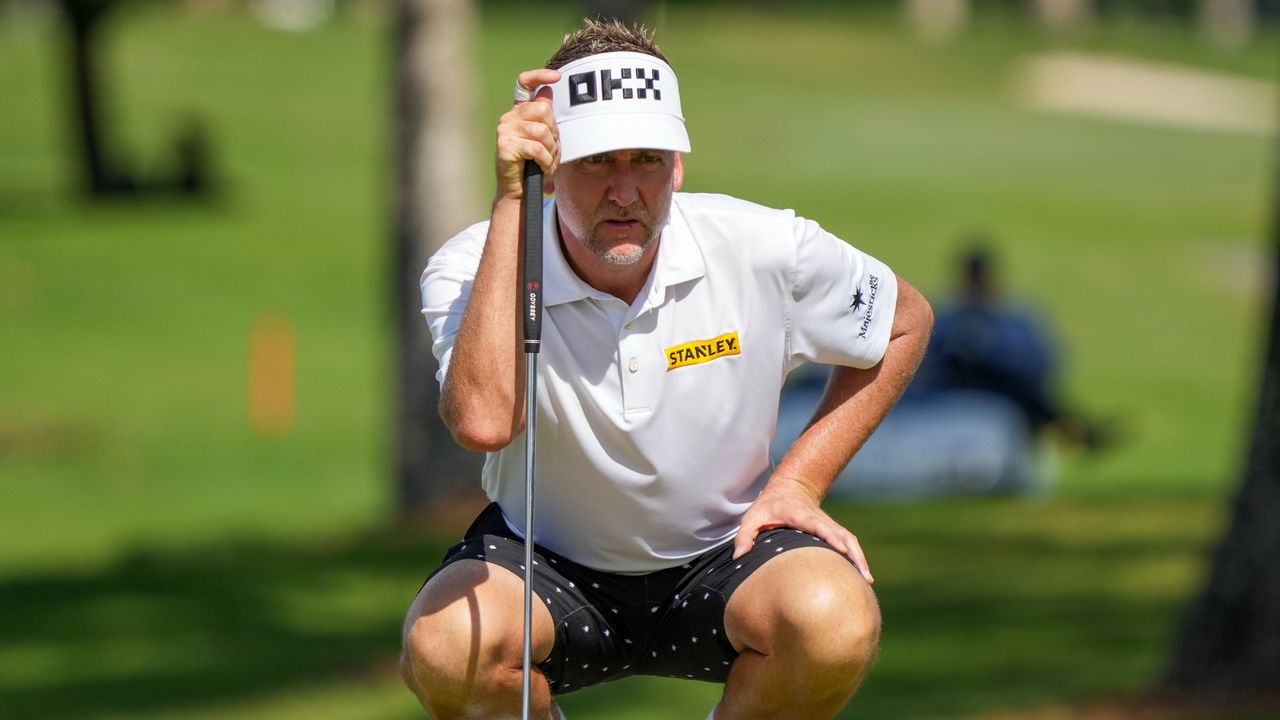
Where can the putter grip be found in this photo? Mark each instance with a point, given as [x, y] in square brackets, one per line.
[531, 256]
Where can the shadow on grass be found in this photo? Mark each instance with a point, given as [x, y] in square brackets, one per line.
[987, 607]
[203, 627]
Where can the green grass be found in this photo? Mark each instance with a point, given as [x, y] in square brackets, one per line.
[160, 560]
[987, 604]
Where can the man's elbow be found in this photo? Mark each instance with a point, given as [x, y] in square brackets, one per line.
[477, 431]
[480, 439]
[926, 318]
[915, 313]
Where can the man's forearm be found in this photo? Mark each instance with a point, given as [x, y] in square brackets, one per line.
[482, 401]
[855, 401]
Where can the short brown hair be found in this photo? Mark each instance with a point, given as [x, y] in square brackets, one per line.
[602, 36]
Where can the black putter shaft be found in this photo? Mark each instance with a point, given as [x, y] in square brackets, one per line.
[531, 318]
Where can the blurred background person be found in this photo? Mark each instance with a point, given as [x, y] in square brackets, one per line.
[975, 417]
[984, 344]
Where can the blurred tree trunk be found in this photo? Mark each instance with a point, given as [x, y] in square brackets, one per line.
[1064, 15]
[84, 18]
[938, 20]
[435, 197]
[103, 174]
[1227, 23]
[1229, 648]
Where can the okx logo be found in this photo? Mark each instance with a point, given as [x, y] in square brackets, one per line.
[589, 87]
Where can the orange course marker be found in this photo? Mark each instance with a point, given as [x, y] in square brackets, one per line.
[271, 375]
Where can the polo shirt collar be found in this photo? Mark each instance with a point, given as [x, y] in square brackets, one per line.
[679, 261]
[560, 284]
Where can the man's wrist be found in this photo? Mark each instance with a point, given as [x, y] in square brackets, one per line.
[791, 485]
[502, 200]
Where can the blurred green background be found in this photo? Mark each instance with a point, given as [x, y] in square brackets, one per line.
[160, 559]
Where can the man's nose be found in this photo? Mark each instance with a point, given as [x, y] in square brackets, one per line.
[623, 189]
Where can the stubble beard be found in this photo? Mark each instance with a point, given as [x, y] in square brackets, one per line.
[622, 256]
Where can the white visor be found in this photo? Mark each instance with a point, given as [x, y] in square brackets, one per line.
[617, 101]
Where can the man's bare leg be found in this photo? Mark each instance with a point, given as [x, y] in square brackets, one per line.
[463, 645]
[808, 627]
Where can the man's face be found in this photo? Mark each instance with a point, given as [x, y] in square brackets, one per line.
[616, 203]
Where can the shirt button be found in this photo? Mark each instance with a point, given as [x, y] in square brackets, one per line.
[633, 365]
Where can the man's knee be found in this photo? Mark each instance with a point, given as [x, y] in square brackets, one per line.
[814, 607]
[452, 651]
[836, 620]
[447, 646]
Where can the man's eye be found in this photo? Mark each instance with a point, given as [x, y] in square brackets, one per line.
[597, 159]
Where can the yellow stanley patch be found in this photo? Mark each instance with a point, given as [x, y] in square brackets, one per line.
[700, 351]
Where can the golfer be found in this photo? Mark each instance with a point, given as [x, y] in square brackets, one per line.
[665, 542]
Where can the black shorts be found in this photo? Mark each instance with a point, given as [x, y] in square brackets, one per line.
[609, 626]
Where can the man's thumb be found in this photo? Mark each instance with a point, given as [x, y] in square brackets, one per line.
[743, 542]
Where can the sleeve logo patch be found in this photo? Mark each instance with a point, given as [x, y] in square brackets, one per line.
[700, 351]
[865, 326]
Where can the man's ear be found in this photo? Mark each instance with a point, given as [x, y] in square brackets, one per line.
[677, 178]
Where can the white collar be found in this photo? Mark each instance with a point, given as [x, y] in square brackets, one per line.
[679, 260]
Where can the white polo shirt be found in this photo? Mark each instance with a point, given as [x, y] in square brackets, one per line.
[654, 419]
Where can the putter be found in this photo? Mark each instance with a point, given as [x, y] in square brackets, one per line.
[531, 315]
